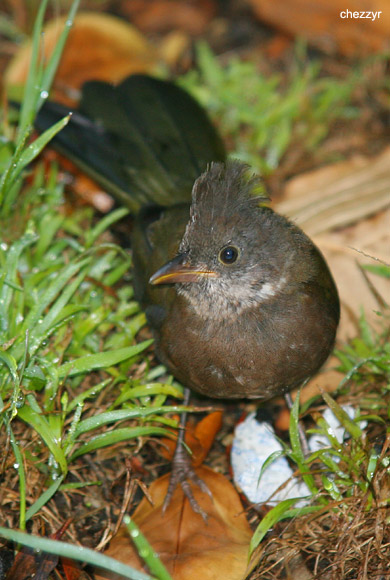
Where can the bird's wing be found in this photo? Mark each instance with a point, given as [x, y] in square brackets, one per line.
[144, 140]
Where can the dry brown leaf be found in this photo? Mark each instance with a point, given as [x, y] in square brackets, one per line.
[335, 206]
[86, 190]
[205, 432]
[199, 437]
[72, 569]
[338, 195]
[99, 47]
[321, 24]
[189, 548]
[191, 16]
[175, 49]
[343, 251]
[23, 566]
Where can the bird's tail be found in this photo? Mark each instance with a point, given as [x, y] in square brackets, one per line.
[145, 140]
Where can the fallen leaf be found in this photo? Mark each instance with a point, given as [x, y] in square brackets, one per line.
[344, 208]
[72, 569]
[23, 566]
[166, 15]
[90, 192]
[87, 191]
[323, 24]
[175, 50]
[188, 547]
[338, 195]
[99, 47]
[199, 437]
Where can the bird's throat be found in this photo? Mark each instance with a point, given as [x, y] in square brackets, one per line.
[220, 300]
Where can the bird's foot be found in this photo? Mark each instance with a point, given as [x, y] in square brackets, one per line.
[182, 473]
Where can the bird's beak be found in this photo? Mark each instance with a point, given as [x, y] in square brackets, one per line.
[180, 270]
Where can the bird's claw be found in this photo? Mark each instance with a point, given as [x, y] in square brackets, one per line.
[182, 474]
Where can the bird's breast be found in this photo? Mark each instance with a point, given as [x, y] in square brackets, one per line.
[260, 354]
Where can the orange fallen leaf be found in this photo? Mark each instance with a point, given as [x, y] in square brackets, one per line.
[99, 47]
[166, 15]
[72, 569]
[23, 565]
[326, 24]
[86, 190]
[188, 547]
[27, 563]
[199, 438]
[89, 192]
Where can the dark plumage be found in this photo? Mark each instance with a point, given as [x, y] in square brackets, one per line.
[240, 301]
[256, 327]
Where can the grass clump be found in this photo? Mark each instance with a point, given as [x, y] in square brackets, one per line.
[68, 335]
[62, 320]
[263, 115]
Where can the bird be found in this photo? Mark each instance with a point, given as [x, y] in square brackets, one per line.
[240, 301]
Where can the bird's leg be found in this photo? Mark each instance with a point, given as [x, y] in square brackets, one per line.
[301, 431]
[182, 470]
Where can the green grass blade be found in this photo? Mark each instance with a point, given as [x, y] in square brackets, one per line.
[32, 86]
[34, 149]
[51, 67]
[88, 393]
[269, 520]
[19, 465]
[44, 498]
[72, 435]
[39, 79]
[122, 415]
[42, 427]
[10, 363]
[73, 552]
[11, 269]
[297, 451]
[49, 226]
[294, 431]
[118, 435]
[33, 319]
[57, 312]
[343, 417]
[104, 224]
[146, 391]
[146, 551]
[101, 360]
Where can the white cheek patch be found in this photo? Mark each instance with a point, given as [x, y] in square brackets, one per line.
[268, 290]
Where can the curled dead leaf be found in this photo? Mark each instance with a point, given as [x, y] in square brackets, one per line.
[344, 207]
[325, 24]
[198, 437]
[191, 17]
[189, 548]
[99, 47]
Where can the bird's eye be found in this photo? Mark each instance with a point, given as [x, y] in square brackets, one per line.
[228, 255]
